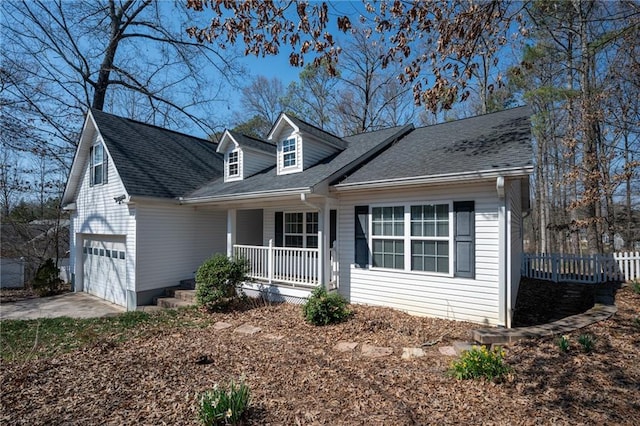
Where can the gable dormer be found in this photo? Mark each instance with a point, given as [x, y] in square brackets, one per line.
[300, 145]
[244, 155]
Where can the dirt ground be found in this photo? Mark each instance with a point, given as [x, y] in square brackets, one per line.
[297, 377]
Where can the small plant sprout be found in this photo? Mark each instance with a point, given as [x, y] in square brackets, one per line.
[587, 341]
[563, 343]
[224, 405]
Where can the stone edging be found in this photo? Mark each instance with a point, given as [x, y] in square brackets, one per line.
[501, 336]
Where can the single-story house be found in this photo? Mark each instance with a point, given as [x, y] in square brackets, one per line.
[426, 220]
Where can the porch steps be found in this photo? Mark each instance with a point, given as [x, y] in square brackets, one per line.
[176, 297]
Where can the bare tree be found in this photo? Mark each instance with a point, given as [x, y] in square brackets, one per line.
[435, 43]
[75, 55]
[371, 96]
[313, 97]
[262, 101]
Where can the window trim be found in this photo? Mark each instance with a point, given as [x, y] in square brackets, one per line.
[293, 152]
[233, 163]
[93, 165]
[304, 233]
[407, 238]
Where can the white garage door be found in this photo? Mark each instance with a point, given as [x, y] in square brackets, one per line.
[104, 268]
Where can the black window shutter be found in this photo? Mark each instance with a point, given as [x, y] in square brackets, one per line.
[91, 166]
[361, 236]
[464, 239]
[279, 229]
[333, 223]
[105, 166]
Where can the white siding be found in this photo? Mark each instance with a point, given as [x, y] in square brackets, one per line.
[174, 240]
[418, 293]
[314, 151]
[309, 151]
[254, 162]
[98, 214]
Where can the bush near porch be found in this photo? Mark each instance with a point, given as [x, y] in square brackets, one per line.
[217, 280]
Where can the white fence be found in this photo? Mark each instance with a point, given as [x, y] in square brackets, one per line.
[297, 266]
[594, 269]
[14, 272]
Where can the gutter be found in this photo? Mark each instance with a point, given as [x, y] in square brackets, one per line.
[245, 196]
[434, 179]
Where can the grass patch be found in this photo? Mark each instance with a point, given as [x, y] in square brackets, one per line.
[21, 340]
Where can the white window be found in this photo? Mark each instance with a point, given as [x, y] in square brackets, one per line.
[301, 230]
[98, 166]
[388, 237]
[289, 153]
[413, 237]
[430, 238]
[233, 164]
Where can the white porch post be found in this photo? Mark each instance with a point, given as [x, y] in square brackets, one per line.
[326, 243]
[270, 259]
[231, 231]
[321, 246]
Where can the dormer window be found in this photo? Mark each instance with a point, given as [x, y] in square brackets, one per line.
[98, 166]
[233, 164]
[289, 152]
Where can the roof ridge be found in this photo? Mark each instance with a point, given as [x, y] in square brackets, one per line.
[381, 130]
[250, 137]
[473, 117]
[312, 125]
[164, 129]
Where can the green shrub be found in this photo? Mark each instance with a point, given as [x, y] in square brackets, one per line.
[563, 343]
[587, 341]
[217, 279]
[224, 406]
[324, 308]
[47, 281]
[480, 362]
[635, 286]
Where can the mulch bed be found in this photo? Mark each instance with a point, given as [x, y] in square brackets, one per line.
[301, 379]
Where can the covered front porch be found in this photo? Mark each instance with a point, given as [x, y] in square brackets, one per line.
[293, 266]
[288, 246]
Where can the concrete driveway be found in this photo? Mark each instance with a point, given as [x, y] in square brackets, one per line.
[75, 305]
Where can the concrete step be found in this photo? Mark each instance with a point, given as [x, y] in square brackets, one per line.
[172, 302]
[149, 308]
[186, 295]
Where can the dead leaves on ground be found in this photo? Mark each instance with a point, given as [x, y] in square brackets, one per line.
[301, 379]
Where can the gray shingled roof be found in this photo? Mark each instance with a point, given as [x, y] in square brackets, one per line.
[358, 146]
[488, 142]
[156, 162]
[248, 141]
[317, 132]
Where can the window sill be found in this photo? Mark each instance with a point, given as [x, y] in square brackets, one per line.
[404, 271]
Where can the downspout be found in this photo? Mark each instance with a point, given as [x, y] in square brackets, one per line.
[321, 254]
[503, 281]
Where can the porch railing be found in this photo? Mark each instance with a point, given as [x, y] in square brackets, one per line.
[582, 269]
[296, 266]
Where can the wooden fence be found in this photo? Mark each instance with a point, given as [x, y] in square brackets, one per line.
[593, 269]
